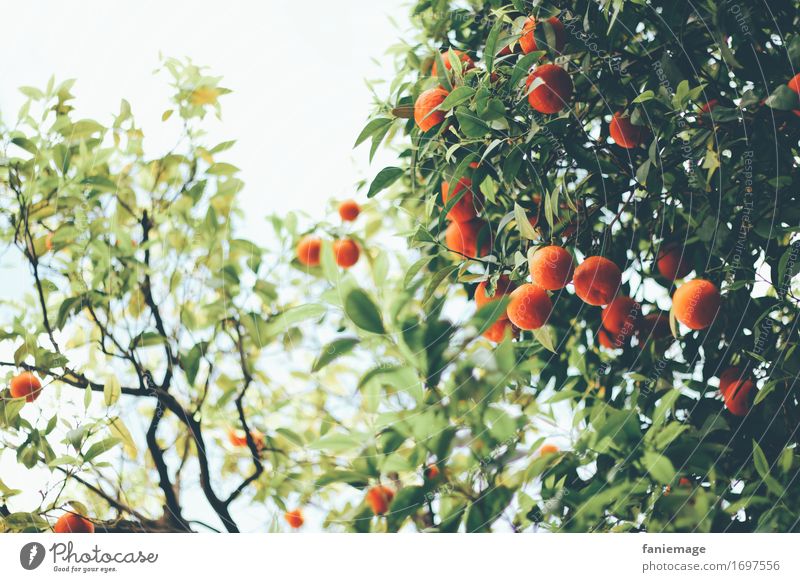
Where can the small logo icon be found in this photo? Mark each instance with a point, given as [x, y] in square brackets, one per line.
[31, 555]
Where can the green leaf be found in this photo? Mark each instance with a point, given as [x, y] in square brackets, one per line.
[441, 72]
[489, 189]
[471, 125]
[762, 466]
[328, 262]
[119, 430]
[408, 501]
[362, 311]
[25, 144]
[414, 269]
[545, 337]
[646, 96]
[338, 443]
[765, 391]
[222, 169]
[760, 461]
[10, 409]
[668, 400]
[292, 316]
[6, 491]
[112, 390]
[490, 48]
[457, 97]
[373, 127]
[523, 224]
[659, 467]
[147, 339]
[100, 447]
[385, 178]
[524, 65]
[488, 508]
[350, 477]
[436, 280]
[333, 350]
[783, 99]
[397, 377]
[100, 183]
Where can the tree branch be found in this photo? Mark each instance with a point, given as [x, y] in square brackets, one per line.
[258, 467]
[172, 505]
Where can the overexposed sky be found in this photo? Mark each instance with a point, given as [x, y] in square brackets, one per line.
[297, 74]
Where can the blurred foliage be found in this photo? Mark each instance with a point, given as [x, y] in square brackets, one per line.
[143, 296]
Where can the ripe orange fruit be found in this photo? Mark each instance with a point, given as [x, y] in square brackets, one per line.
[614, 341]
[653, 327]
[497, 331]
[621, 315]
[548, 450]
[794, 85]
[551, 267]
[379, 498]
[462, 238]
[684, 482]
[530, 307]
[624, 133]
[294, 518]
[431, 472]
[728, 377]
[346, 252]
[73, 523]
[528, 39]
[25, 385]
[466, 62]
[672, 262]
[596, 280]
[696, 303]
[308, 250]
[237, 438]
[605, 340]
[467, 206]
[737, 396]
[349, 210]
[554, 93]
[504, 286]
[424, 114]
[706, 109]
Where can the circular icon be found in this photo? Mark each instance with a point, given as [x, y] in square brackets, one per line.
[31, 555]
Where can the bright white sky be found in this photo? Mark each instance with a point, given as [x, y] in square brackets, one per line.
[297, 74]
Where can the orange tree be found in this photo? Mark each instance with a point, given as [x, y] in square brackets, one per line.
[624, 216]
[147, 382]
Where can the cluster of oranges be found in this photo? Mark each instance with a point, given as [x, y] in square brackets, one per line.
[549, 88]
[346, 251]
[380, 497]
[596, 280]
